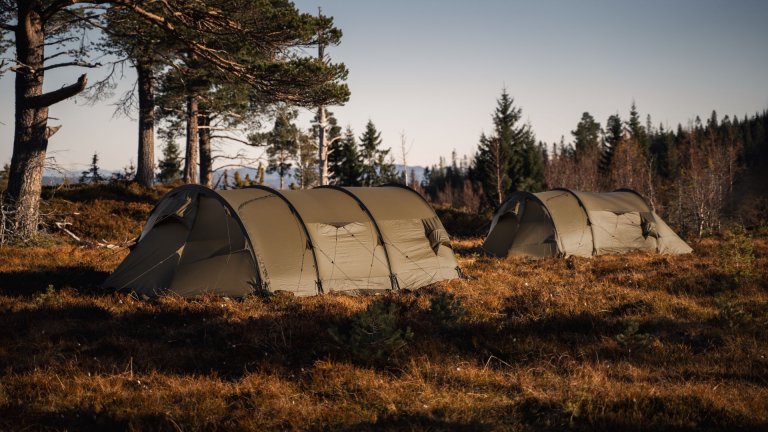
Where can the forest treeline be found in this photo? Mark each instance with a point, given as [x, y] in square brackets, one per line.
[697, 176]
[215, 71]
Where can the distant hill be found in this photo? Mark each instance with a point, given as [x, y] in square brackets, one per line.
[273, 179]
[54, 178]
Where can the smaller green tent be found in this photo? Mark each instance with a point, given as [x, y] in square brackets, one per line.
[563, 222]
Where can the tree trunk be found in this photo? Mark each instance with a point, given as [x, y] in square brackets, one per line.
[190, 159]
[206, 156]
[145, 169]
[31, 133]
[322, 148]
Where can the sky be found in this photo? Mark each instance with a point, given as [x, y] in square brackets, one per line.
[432, 70]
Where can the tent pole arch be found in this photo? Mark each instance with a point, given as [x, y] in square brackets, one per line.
[632, 191]
[429, 206]
[204, 190]
[392, 276]
[586, 214]
[298, 217]
[398, 185]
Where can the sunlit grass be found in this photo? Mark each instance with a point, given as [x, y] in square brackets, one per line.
[613, 343]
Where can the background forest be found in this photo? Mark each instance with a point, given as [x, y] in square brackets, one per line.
[697, 176]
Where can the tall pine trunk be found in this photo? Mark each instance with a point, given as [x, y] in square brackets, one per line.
[145, 170]
[31, 133]
[190, 159]
[206, 156]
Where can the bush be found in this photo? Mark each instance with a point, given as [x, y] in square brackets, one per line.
[446, 308]
[462, 223]
[373, 335]
[732, 314]
[737, 256]
[631, 338]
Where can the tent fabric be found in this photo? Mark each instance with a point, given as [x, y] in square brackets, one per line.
[565, 223]
[327, 239]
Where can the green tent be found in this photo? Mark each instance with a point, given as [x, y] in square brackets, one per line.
[563, 222]
[328, 239]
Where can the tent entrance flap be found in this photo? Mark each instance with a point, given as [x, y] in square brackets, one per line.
[500, 239]
[190, 244]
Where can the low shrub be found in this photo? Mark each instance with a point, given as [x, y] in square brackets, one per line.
[374, 335]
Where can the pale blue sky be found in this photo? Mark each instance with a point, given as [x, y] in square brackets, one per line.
[434, 69]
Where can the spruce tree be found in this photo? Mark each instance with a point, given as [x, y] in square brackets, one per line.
[636, 128]
[92, 175]
[492, 163]
[508, 160]
[306, 161]
[377, 166]
[533, 172]
[369, 144]
[586, 136]
[387, 171]
[344, 161]
[170, 164]
[282, 143]
[613, 135]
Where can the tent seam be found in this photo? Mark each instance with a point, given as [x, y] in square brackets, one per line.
[392, 275]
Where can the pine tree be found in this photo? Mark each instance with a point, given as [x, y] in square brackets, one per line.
[92, 175]
[377, 165]
[344, 161]
[170, 164]
[271, 34]
[613, 135]
[492, 162]
[369, 144]
[508, 160]
[282, 144]
[636, 129]
[307, 173]
[387, 171]
[663, 152]
[533, 172]
[127, 175]
[586, 136]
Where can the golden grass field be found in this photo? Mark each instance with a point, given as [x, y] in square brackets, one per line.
[636, 342]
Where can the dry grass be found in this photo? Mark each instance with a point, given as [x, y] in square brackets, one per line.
[614, 343]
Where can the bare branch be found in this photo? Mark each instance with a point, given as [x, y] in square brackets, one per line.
[61, 41]
[54, 7]
[242, 141]
[127, 103]
[72, 63]
[50, 98]
[51, 130]
[8, 27]
[58, 54]
[223, 167]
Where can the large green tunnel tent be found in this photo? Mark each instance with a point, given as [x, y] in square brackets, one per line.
[307, 242]
[562, 222]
